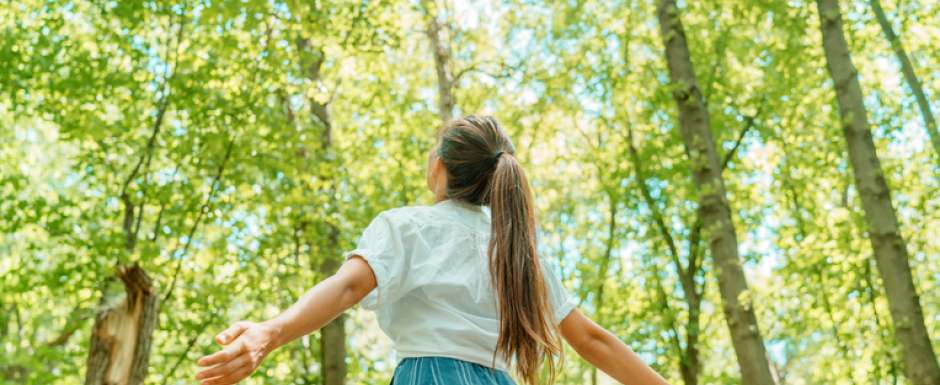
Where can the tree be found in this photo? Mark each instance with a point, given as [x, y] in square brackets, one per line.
[440, 48]
[890, 249]
[690, 364]
[122, 336]
[333, 335]
[713, 206]
[237, 206]
[910, 77]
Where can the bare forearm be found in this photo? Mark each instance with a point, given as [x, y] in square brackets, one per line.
[615, 358]
[324, 302]
[316, 308]
[247, 343]
[605, 351]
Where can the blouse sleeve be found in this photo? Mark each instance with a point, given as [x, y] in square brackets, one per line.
[381, 246]
[561, 300]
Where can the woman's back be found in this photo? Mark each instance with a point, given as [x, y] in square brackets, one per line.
[434, 296]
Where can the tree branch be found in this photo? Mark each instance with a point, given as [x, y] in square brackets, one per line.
[74, 322]
[189, 346]
[202, 211]
[130, 230]
[749, 123]
[658, 217]
[605, 264]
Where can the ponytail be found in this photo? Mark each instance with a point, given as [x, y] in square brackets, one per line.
[526, 330]
[482, 169]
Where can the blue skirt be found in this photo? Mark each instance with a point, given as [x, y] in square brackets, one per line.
[447, 371]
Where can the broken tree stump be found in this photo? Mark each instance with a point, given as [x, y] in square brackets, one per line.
[121, 336]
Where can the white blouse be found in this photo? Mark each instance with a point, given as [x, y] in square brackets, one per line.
[434, 296]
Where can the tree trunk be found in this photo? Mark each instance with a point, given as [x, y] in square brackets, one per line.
[333, 335]
[714, 209]
[445, 80]
[909, 76]
[119, 352]
[121, 337]
[920, 363]
[605, 267]
[333, 349]
[689, 363]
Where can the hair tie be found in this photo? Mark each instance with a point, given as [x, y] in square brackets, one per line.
[496, 157]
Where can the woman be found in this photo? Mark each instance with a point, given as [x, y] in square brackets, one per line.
[459, 288]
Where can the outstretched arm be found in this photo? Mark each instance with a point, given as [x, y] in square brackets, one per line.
[606, 351]
[247, 343]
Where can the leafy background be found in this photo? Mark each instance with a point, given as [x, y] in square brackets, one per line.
[201, 118]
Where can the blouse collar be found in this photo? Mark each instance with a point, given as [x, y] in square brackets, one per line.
[461, 204]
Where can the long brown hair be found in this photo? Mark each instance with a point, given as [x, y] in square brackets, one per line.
[482, 169]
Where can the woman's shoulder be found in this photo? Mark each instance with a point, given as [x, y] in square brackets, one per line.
[429, 217]
[407, 216]
[405, 212]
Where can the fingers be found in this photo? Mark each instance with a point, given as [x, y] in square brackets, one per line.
[239, 374]
[224, 368]
[230, 334]
[223, 355]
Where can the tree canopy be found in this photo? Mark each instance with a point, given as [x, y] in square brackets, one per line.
[234, 149]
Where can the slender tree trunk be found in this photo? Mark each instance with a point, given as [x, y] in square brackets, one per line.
[445, 80]
[333, 335]
[119, 352]
[605, 266]
[909, 76]
[714, 209]
[121, 338]
[333, 348]
[886, 343]
[689, 363]
[920, 363]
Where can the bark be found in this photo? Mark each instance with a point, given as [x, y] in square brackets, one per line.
[333, 335]
[909, 76]
[121, 337]
[714, 209]
[333, 352]
[445, 80]
[885, 342]
[890, 249]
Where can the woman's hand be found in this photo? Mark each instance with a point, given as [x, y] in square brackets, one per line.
[247, 343]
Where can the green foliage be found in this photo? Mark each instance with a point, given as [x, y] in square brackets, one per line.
[200, 120]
